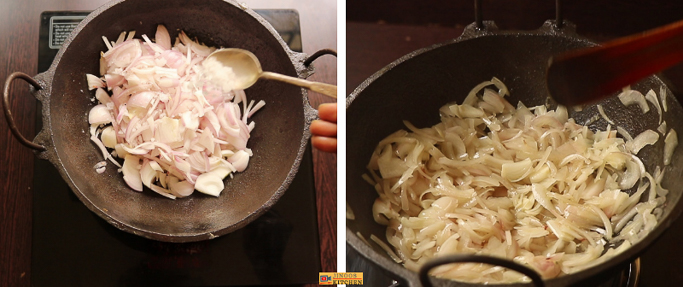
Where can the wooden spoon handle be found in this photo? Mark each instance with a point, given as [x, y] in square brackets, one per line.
[591, 74]
[326, 89]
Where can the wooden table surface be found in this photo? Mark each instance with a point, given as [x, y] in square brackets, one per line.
[19, 27]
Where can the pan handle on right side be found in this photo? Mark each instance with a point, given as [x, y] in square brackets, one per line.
[325, 89]
[8, 113]
[471, 258]
[324, 133]
[317, 55]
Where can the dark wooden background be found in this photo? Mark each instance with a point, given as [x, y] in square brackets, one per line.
[611, 17]
[381, 31]
[19, 27]
[421, 23]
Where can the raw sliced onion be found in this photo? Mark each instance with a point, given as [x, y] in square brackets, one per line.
[109, 137]
[162, 111]
[210, 184]
[131, 172]
[94, 82]
[162, 191]
[100, 115]
[100, 167]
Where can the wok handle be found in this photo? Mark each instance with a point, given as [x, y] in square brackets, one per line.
[323, 134]
[471, 258]
[317, 55]
[325, 89]
[8, 113]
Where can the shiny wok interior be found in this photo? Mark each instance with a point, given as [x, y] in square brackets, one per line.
[277, 142]
[414, 87]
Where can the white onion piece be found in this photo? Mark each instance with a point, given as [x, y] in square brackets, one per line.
[140, 100]
[662, 97]
[502, 89]
[189, 121]
[121, 38]
[630, 176]
[109, 137]
[209, 183]
[162, 37]
[106, 42]
[662, 128]
[652, 98]
[155, 166]
[466, 111]
[221, 171]
[670, 143]
[471, 98]
[113, 80]
[102, 96]
[629, 97]
[180, 188]
[120, 150]
[386, 248]
[239, 160]
[147, 174]
[162, 191]
[168, 130]
[94, 82]
[100, 167]
[100, 115]
[494, 101]
[640, 164]
[540, 194]
[257, 107]
[131, 172]
[101, 146]
[648, 137]
[390, 166]
[517, 171]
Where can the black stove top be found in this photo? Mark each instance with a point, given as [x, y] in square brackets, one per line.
[74, 247]
[375, 276]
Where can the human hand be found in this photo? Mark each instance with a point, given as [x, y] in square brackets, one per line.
[325, 130]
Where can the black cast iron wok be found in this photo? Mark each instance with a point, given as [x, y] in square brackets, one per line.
[278, 141]
[415, 86]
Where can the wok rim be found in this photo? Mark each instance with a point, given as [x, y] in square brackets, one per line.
[45, 136]
[471, 32]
